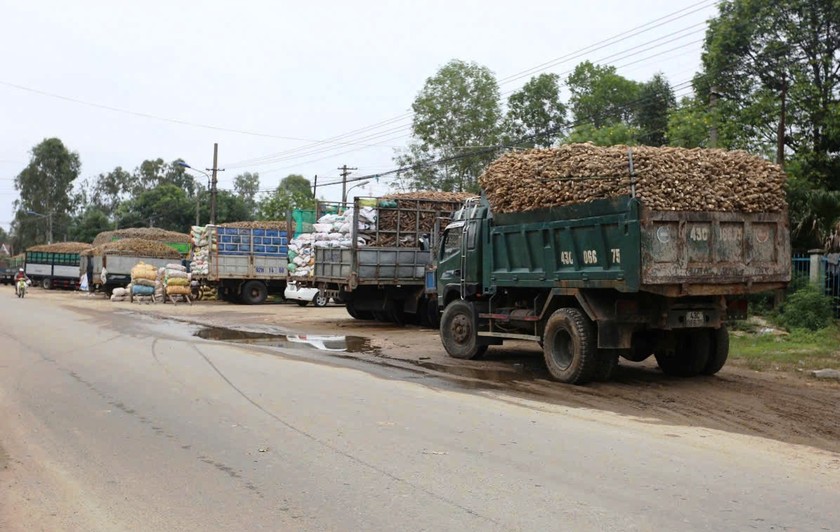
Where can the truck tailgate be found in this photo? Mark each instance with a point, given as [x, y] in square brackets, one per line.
[714, 248]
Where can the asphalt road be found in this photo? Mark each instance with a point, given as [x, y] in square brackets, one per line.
[119, 422]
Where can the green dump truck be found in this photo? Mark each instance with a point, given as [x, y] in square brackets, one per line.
[612, 277]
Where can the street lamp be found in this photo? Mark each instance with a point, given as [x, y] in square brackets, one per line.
[344, 199]
[49, 218]
[185, 165]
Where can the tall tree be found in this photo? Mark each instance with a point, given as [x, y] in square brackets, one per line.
[247, 186]
[655, 103]
[45, 187]
[536, 116]
[456, 116]
[293, 192]
[600, 97]
[166, 206]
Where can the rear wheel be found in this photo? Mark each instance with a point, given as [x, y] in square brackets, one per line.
[320, 300]
[690, 355]
[253, 293]
[570, 348]
[458, 331]
[719, 351]
[46, 283]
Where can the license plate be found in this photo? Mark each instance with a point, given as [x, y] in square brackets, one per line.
[695, 318]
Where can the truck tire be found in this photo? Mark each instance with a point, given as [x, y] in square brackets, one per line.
[46, 283]
[719, 351]
[691, 354]
[570, 347]
[253, 293]
[458, 331]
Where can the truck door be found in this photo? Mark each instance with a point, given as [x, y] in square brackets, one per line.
[449, 261]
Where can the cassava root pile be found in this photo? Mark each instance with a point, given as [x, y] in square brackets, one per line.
[61, 247]
[147, 233]
[416, 214]
[135, 247]
[670, 179]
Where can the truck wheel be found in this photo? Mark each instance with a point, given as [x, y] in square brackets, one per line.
[320, 300]
[46, 283]
[719, 351]
[690, 357]
[428, 313]
[458, 331]
[356, 313]
[570, 348]
[607, 362]
[253, 293]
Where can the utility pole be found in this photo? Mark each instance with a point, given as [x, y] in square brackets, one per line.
[315, 188]
[713, 131]
[780, 134]
[345, 171]
[213, 182]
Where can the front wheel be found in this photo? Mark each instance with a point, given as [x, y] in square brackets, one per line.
[458, 331]
[570, 346]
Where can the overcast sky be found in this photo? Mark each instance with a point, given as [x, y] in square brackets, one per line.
[120, 82]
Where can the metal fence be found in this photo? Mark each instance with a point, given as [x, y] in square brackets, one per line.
[827, 275]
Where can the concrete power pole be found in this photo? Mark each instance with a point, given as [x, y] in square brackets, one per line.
[213, 182]
[345, 171]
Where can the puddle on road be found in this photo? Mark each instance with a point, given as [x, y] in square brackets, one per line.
[321, 342]
[342, 345]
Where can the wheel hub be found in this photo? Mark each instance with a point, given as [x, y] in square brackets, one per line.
[461, 329]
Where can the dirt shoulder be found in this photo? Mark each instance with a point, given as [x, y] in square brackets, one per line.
[780, 405]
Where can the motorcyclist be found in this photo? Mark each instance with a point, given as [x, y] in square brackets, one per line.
[18, 276]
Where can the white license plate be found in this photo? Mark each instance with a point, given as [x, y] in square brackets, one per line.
[695, 318]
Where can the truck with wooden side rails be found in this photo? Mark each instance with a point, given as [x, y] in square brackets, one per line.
[380, 273]
[116, 258]
[631, 275]
[243, 264]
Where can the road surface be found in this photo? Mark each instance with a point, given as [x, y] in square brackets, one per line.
[118, 421]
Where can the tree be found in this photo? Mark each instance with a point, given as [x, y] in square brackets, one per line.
[293, 192]
[166, 206]
[536, 116]
[600, 97]
[688, 124]
[456, 117]
[655, 103]
[610, 135]
[246, 186]
[45, 187]
[110, 189]
[90, 223]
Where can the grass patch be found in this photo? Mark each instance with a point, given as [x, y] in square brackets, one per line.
[801, 349]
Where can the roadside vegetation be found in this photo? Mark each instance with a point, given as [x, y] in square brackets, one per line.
[800, 335]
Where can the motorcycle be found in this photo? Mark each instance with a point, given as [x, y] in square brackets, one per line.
[21, 287]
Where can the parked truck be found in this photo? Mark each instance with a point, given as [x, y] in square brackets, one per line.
[595, 280]
[54, 265]
[244, 261]
[379, 273]
[117, 258]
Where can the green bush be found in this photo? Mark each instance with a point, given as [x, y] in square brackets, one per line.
[807, 308]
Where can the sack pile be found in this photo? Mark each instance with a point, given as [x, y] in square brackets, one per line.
[143, 277]
[207, 293]
[119, 295]
[330, 231]
[204, 242]
[176, 280]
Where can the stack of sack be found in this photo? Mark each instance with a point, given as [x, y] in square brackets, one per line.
[119, 294]
[204, 242]
[330, 231]
[143, 277]
[176, 280]
[160, 292]
[207, 293]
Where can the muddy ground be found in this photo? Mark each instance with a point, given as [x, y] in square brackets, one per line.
[787, 407]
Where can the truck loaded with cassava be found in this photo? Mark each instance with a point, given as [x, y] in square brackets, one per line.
[597, 253]
[240, 262]
[54, 265]
[372, 255]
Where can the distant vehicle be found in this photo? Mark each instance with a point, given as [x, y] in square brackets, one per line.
[305, 295]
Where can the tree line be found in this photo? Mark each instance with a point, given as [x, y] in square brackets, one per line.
[769, 83]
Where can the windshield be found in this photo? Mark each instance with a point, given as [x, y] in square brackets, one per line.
[452, 241]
